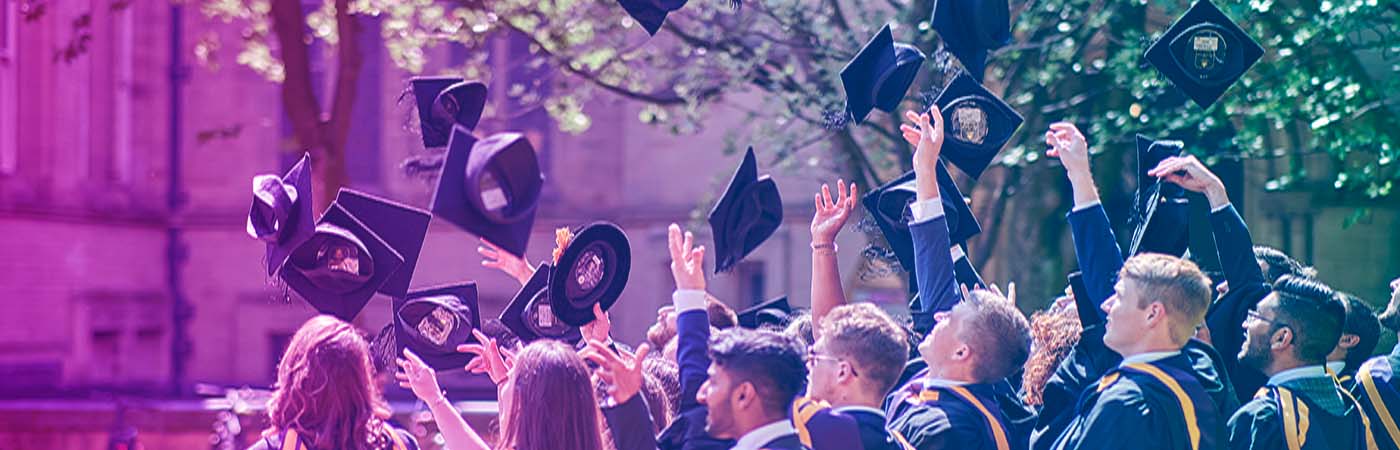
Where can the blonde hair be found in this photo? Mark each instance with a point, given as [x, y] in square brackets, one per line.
[1176, 283]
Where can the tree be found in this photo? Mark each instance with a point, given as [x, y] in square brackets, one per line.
[1074, 60]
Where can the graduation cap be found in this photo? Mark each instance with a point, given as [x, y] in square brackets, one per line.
[490, 187]
[530, 314]
[879, 75]
[889, 206]
[651, 13]
[774, 312]
[592, 269]
[434, 321]
[1163, 214]
[977, 124]
[444, 102]
[338, 270]
[746, 215]
[1204, 53]
[281, 215]
[971, 27]
[403, 227]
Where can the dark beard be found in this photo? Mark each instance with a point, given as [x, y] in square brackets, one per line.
[1256, 354]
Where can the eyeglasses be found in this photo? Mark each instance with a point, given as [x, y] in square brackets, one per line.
[813, 356]
[1260, 317]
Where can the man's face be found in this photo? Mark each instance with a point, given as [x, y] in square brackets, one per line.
[716, 394]
[1126, 320]
[1390, 318]
[944, 342]
[823, 371]
[665, 327]
[1259, 326]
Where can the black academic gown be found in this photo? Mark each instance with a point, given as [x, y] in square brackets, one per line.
[1285, 419]
[937, 417]
[1157, 405]
[1376, 390]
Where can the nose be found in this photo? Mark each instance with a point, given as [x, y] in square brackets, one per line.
[1107, 305]
[700, 395]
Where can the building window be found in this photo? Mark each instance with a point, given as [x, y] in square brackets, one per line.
[127, 339]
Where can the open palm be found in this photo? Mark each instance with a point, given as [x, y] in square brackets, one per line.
[831, 216]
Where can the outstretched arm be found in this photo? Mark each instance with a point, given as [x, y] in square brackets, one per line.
[933, 267]
[830, 217]
[692, 320]
[1095, 246]
[422, 380]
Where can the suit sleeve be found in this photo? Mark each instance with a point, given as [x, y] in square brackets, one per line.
[630, 424]
[1247, 286]
[1255, 427]
[692, 357]
[1096, 250]
[938, 290]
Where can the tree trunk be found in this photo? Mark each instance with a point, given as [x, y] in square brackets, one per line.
[324, 135]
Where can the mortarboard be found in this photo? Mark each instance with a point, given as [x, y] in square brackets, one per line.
[879, 75]
[592, 268]
[971, 27]
[403, 227]
[281, 214]
[338, 270]
[889, 206]
[530, 315]
[746, 215]
[434, 321]
[774, 312]
[444, 102]
[1204, 53]
[977, 124]
[963, 270]
[1164, 215]
[490, 187]
[651, 13]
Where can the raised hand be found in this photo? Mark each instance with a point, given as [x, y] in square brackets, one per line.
[1189, 173]
[490, 360]
[621, 373]
[687, 262]
[1069, 145]
[925, 133]
[831, 216]
[495, 258]
[601, 326]
[415, 375]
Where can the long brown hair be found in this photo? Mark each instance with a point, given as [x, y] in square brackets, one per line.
[1054, 333]
[325, 390]
[553, 405]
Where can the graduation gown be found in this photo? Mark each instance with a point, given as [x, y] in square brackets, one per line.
[1376, 391]
[822, 427]
[1156, 405]
[962, 417]
[687, 431]
[1293, 416]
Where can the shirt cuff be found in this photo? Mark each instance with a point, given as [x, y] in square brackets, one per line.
[957, 252]
[1221, 208]
[1078, 208]
[688, 300]
[926, 210]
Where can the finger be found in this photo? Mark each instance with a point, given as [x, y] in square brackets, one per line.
[851, 201]
[907, 128]
[487, 251]
[1011, 291]
[603, 350]
[480, 337]
[492, 263]
[826, 195]
[413, 357]
[698, 257]
[689, 241]
[937, 117]
[817, 200]
[642, 352]
[995, 290]
[475, 349]
[965, 293]
[912, 137]
[1065, 126]
[405, 385]
[402, 377]
[911, 116]
[673, 237]
[841, 192]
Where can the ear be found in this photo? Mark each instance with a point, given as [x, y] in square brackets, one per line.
[744, 395]
[1348, 341]
[847, 373]
[1156, 313]
[962, 353]
[1281, 338]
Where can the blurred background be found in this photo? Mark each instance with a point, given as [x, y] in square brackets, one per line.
[136, 310]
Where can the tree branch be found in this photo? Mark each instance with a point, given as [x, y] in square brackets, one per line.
[289, 23]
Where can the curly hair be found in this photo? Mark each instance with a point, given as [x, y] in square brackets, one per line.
[1053, 334]
[325, 390]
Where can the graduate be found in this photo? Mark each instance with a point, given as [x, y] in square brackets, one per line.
[1361, 332]
[1288, 336]
[973, 345]
[1101, 261]
[1377, 387]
